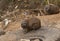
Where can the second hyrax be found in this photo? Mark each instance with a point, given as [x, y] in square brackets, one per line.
[51, 9]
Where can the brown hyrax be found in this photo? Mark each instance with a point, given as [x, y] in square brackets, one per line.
[51, 9]
[30, 24]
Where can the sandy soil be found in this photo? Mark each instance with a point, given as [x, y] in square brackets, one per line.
[45, 21]
[50, 29]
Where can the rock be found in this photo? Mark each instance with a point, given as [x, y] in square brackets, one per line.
[36, 40]
[58, 39]
[24, 40]
[2, 32]
[1, 25]
[8, 37]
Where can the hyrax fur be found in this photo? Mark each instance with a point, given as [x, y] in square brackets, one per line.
[51, 9]
[30, 24]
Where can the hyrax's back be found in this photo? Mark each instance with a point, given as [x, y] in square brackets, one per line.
[34, 23]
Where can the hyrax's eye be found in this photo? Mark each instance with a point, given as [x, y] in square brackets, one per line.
[24, 24]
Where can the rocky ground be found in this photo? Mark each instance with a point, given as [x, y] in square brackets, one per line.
[50, 30]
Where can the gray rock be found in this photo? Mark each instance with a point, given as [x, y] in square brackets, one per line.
[2, 32]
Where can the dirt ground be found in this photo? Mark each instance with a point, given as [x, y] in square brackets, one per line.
[46, 20]
[51, 24]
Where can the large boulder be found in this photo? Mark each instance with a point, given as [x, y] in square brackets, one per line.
[29, 24]
[51, 9]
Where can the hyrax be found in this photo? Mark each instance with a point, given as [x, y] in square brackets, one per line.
[30, 24]
[51, 9]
